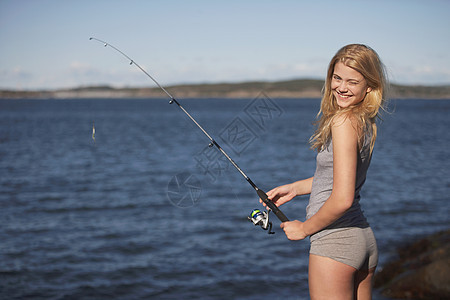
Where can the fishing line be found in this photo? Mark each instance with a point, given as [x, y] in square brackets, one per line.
[256, 216]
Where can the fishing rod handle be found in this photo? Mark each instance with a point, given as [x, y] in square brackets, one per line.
[272, 206]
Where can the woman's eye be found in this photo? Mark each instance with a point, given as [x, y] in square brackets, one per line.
[335, 77]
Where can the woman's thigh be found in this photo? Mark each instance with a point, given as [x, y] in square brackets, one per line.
[330, 279]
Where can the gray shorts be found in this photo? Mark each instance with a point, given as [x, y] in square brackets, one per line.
[352, 246]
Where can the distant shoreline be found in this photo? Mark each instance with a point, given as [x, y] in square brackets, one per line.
[300, 88]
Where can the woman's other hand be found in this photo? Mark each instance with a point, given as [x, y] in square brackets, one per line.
[281, 194]
[294, 230]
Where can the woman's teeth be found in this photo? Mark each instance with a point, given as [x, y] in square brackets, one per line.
[343, 96]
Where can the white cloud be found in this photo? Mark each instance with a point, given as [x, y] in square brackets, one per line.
[424, 74]
[16, 78]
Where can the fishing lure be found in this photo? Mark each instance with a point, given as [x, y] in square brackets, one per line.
[93, 131]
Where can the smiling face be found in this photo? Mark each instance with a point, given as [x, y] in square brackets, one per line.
[348, 85]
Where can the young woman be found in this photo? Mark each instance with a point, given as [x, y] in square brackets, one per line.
[343, 253]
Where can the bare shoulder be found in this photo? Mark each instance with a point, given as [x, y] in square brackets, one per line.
[344, 122]
[344, 128]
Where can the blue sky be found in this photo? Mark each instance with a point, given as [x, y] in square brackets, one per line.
[44, 44]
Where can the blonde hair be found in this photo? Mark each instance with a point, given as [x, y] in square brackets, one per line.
[367, 62]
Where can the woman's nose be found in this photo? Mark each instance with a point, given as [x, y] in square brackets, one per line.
[342, 86]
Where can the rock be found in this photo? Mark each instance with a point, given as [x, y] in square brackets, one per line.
[422, 270]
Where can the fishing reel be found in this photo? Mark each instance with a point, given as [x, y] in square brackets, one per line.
[261, 218]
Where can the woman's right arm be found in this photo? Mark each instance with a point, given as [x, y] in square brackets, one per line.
[287, 192]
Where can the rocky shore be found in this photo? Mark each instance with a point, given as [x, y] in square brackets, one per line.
[420, 271]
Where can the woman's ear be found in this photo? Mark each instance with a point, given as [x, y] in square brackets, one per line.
[369, 89]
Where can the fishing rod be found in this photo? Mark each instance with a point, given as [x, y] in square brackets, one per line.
[256, 216]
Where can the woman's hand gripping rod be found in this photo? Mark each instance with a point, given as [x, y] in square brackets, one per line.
[262, 195]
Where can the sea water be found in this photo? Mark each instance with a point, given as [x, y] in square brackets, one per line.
[144, 209]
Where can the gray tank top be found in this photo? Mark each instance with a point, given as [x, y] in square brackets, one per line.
[323, 184]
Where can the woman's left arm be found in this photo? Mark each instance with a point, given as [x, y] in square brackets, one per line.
[345, 151]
